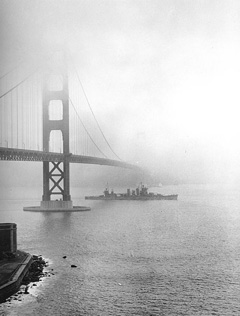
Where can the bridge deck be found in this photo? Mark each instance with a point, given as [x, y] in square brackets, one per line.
[15, 154]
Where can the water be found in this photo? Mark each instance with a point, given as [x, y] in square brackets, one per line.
[135, 258]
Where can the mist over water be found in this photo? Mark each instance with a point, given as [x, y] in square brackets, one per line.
[161, 76]
[135, 258]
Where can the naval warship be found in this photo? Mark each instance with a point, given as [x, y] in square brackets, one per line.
[140, 194]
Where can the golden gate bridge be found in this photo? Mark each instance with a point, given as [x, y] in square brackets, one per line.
[44, 116]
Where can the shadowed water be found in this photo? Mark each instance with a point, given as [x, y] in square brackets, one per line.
[136, 257]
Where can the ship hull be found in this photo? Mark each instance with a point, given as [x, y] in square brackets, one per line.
[133, 198]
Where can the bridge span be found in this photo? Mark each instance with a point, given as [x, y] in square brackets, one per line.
[16, 154]
[43, 118]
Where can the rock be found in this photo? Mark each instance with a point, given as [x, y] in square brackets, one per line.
[35, 271]
[73, 266]
[64, 257]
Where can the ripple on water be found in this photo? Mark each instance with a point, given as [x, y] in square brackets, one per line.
[167, 258]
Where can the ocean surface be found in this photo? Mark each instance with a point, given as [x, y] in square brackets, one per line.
[134, 257]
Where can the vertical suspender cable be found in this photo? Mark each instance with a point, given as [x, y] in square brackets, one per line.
[27, 115]
[11, 120]
[23, 111]
[29, 102]
[31, 111]
[17, 114]
[38, 97]
[7, 97]
[30, 115]
[34, 116]
[2, 123]
[37, 106]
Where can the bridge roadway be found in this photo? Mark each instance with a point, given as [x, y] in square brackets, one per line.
[15, 154]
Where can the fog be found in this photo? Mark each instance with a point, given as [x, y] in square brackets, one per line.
[162, 78]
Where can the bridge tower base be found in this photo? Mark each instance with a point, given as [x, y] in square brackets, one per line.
[56, 208]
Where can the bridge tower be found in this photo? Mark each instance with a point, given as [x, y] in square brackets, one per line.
[56, 175]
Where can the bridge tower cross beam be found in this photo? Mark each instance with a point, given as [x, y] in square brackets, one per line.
[49, 125]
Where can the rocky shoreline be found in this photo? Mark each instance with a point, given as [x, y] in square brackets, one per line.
[35, 271]
[34, 274]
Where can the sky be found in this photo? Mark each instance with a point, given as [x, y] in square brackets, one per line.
[162, 77]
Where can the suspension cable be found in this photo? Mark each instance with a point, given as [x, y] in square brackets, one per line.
[18, 84]
[94, 114]
[11, 70]
[84, 124]
[86, 129]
